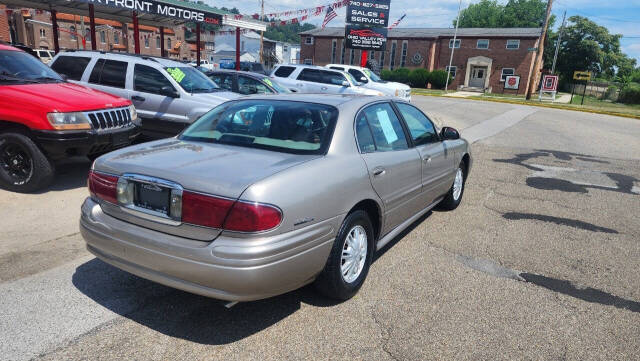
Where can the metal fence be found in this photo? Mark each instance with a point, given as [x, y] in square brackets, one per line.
[598, 90]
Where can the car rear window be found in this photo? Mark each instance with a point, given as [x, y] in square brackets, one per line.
[284, 71]
[277, 125]
[71, 66]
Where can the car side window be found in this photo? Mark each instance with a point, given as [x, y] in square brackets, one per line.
[149, 80]
[358, 75]
[333, 78]
[384, 128]
[224, 81]
[420, 127]
[109, 73]
[309, 75]
[71, 66]
[248, 85]
[284, 71]
[363, 133]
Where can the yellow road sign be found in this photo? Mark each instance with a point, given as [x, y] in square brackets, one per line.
[582, 75]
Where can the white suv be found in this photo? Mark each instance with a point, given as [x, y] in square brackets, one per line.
[316, 79]
[370, 80]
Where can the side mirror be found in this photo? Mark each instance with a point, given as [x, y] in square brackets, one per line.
[169, 92]
[346, 84]
[448, 133]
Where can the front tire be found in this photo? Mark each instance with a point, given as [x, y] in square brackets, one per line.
[350, 258]
[453, 198]
[23, 167]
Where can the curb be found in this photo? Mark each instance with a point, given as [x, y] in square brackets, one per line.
[541, 105]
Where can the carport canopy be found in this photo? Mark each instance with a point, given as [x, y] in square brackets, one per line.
[157, 13]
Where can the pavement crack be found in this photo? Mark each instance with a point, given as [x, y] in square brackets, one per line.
[386, 335]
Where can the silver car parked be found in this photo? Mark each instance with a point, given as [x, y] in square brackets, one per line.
[265, 194]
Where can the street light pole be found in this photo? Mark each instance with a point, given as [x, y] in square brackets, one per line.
[533, 75]
[555, 56]
[455, 37]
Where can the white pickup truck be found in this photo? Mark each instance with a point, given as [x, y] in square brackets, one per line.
[369, 79]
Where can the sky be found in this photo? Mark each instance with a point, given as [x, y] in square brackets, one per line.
[621, 18]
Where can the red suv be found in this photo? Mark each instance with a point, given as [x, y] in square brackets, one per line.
[44, 118]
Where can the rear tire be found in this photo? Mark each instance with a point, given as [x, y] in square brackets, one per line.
[350, 258]
[453, 198]
[23, 166]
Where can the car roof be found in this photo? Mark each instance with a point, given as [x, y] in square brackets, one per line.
[328, 99]
[123, 56]
[8, 47]
[345, 66]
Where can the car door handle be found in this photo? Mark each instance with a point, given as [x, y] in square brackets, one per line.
[324, 88]
[379, 171]
[138, 98]
[427, 159]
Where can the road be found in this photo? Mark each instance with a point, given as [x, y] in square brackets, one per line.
[539, 262]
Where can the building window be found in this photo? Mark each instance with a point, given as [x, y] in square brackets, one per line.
[513, 44]
[146, 42]
[382, 59]
[483, 44]
[169, 43]
[43, 33]
[87, 35]
[103, 37]
[351, 56]
[372, 54]
[403, 55]
[116, 38]
[334, 46]
[457, 43]
[342, 53]
[392, 62]
[506, 72]
[72, 30]
[157, 42]
[285, 48]
[451, 70]
[308, 40]
[308, 61]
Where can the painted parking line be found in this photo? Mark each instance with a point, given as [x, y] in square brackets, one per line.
[497, 124]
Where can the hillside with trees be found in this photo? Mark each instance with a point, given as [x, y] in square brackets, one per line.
[288, 33]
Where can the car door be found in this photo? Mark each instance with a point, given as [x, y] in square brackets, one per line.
[333, 82]
[110, 76]
[394, 167]
[437, 161]
[160, 114]
[309, 81]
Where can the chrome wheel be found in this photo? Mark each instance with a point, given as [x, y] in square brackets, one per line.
[457, 184]
[354, 254]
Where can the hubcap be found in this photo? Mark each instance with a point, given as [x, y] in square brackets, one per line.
[354, 254]
[457, 184]
[15, 162]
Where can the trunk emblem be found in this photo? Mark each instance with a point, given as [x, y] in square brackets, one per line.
[151, 187]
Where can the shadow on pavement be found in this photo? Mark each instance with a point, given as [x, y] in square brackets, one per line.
[184, 315]
[70, 174]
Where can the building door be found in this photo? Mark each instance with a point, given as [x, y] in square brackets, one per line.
[478, 73]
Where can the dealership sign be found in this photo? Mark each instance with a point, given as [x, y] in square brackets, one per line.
[371, 13]
[359, 37]
[160, 8]
[512, 82]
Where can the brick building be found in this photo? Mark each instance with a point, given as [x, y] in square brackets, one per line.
[110, 35]
[482, 57]
[4, 25]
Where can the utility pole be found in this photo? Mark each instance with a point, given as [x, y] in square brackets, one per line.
[261, 32]
[455, 37]
[534, 74]
[555, 56]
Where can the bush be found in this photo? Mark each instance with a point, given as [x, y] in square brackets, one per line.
[630, 95]
[611, 92]
[386, 74]
[401, 75]
[438, 79]
[418, 78]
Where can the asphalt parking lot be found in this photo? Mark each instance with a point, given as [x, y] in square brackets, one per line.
[540, 262]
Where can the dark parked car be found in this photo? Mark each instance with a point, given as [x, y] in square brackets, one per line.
[245, 66]
[246, 83]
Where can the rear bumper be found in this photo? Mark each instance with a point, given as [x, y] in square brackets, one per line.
[65, 143]
[234, 269]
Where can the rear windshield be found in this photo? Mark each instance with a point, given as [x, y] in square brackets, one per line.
[278, 125]
[71, 66]
[284, 71]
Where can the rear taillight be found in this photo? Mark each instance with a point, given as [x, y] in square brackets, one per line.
[103, 186]
[227, 214]
[204, 210]
[252, 217]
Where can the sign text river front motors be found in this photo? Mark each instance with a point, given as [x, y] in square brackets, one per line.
[160, 8]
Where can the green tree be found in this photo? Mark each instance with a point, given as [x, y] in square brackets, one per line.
[514, 14]
[485, 14]
[288, 33]
[588, 46]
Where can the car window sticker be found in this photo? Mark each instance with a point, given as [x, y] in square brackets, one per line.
[176, 74]
[267, 81]
[387, 127]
